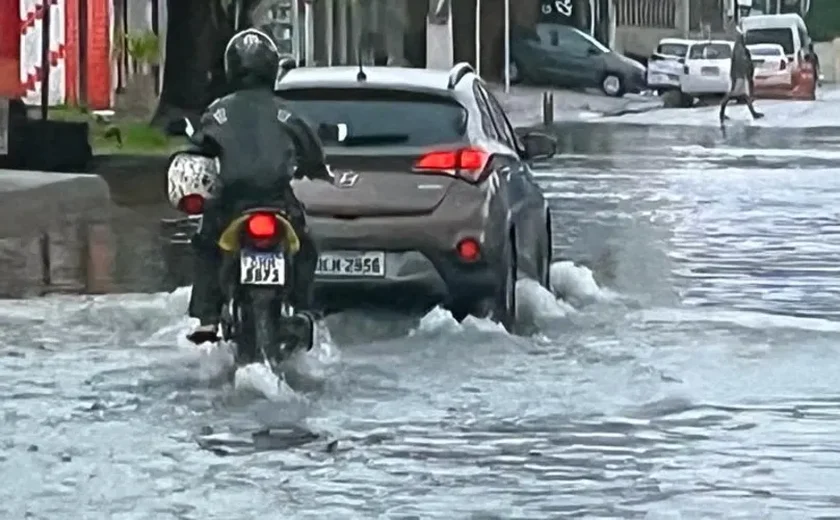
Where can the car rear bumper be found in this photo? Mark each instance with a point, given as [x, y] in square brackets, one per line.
[663, 81]
[412, 280]
[700, 85]
[783, 88]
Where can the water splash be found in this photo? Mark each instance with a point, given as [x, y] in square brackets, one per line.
[258, 378]
[576, 284]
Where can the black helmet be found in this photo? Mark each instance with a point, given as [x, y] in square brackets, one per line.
[251, 60]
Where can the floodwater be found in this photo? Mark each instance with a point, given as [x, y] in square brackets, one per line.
[685, 367]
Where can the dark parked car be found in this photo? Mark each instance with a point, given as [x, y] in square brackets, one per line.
[434, 201]
[565, 56]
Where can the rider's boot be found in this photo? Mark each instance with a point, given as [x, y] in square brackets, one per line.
[206, 298]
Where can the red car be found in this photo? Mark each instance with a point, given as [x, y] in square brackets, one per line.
[778, 77]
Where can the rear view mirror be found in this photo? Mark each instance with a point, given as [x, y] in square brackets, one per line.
[539, 145]
[592, 51]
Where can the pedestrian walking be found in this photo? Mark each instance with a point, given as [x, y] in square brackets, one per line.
[741, 77]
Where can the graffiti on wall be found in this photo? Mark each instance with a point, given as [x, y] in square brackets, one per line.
[557, 7]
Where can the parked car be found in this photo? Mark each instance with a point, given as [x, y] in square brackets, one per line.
[565, 56]
[790, 32]
[706, 69]
[771, 67]
[665, 65]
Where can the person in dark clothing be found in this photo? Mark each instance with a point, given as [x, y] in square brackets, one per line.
[741, 75]
[261, 146]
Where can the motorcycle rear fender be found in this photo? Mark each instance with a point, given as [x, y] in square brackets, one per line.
[229, 239]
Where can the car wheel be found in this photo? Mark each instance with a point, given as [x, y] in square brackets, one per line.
[545, 258]
[613, 85]
[504, 303]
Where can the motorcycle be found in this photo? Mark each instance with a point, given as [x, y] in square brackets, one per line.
[257, 275]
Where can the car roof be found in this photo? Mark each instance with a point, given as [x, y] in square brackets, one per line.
[712, 42]
[773, 21]
[774, 46]
[682, 41]
[391, 78]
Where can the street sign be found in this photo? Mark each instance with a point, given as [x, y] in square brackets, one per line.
[4, 126]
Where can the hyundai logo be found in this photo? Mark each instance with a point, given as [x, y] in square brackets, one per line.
[348, 179]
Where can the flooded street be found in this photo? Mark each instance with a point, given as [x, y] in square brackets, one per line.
[686, 367]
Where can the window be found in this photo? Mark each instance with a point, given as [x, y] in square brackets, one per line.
[486, 119]
[765, 51]
[710, 51]
[509, 136]
[578, 35]
[672, 49]
[783, 37]
[380, 117]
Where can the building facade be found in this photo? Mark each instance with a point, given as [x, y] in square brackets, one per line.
[81, 32]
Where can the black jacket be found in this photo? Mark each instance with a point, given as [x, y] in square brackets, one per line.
[742, 65]
[261, 146]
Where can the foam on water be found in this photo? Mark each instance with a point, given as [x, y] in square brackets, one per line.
[739, 318]
[695, 150]
[824, 112]
[576, 284]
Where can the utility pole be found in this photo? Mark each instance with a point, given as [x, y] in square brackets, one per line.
[45, 60]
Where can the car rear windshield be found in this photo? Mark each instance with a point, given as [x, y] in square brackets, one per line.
[710, 51]
[672, 49]
[783, 37]
[765, 51]
[378, 117]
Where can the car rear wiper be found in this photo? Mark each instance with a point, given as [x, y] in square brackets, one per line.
[373, 139]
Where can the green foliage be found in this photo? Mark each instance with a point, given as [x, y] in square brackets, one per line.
[823, 20]
[144, 48]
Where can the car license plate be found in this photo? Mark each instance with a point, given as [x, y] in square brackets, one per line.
[261, 268]
[710, 71]
[348, 263]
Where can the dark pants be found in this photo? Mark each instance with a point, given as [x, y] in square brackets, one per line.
[207, 296]
[741, 90]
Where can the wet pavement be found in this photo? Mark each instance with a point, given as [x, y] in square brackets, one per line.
[684, 368]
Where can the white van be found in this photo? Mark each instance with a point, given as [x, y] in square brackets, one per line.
[788, 30]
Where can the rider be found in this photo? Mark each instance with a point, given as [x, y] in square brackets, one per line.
[261, 146]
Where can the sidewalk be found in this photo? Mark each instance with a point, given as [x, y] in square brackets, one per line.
[524, 104]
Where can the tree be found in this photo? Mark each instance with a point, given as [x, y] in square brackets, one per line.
[197, 32]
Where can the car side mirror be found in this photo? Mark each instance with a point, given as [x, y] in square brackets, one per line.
[592, 51]
[539, 145]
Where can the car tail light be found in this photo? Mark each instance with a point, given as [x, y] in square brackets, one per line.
[782, 65]
[468, 163]
[468, 250]
[263, 229]
[192, 204]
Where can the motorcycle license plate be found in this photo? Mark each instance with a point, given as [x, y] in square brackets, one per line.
[261, 268]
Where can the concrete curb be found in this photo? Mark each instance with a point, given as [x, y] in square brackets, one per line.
[54, 233]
